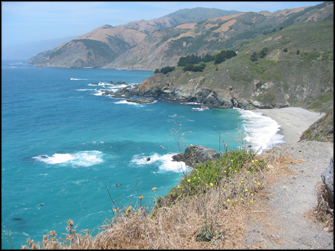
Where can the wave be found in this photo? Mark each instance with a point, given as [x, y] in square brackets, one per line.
[191, 103]
[262, 132]
[199, 109]
[98, 93]
[83, 158]
[99, 84]
[128, 103]
[78, 79]
[165, 162]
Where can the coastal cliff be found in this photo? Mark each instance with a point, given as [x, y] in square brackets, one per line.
[293, 72]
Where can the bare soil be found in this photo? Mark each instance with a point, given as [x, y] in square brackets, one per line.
[283, 217]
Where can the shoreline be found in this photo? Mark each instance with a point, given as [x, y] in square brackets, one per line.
[293, 121]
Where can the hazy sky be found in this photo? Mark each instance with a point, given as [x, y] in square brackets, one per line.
[35, 21]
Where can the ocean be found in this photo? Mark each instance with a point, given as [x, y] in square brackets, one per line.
[63, 143]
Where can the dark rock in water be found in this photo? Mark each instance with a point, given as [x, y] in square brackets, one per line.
[117, 185]
[148, 159]
[107, 92]
[117, 83]
[124, 91]
[328, 177]
[141, 100]
[16, 218]
[42, 204]
[194, 155]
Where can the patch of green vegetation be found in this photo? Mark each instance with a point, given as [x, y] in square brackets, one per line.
[211, 173]
[310, 55]
[320, 101]
[195, 68]
[165, 70]
[98, 47]
[57, 52]
[176, 47]
[267, 98]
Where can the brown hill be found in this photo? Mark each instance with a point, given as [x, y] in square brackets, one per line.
[148, 45]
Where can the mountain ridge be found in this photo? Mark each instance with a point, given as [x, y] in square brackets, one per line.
[161, 42]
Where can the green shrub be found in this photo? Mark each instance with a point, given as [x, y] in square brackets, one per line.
[167, 69]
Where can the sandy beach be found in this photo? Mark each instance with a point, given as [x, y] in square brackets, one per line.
[293, 121]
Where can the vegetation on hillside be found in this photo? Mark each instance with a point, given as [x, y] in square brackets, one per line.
[323, 129]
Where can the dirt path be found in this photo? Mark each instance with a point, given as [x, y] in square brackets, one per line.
[281, 222]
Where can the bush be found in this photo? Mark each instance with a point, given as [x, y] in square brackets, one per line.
[263, 53]
[195, 68]
[167, 69]
[254, 56]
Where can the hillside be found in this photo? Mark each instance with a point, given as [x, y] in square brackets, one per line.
[105, 43]
[147, 45]
[297, 70]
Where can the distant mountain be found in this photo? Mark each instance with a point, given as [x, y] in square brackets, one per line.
[148, 45]
[28, 50]
[199, 14]
[106, 43]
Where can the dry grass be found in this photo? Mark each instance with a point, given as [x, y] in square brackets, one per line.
[214, 219]
[323, 212]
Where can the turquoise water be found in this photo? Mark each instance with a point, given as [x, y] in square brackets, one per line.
[62, 142]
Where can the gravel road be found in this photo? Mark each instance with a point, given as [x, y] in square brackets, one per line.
[290, 199]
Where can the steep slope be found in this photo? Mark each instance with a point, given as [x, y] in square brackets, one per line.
[323, 129]
[93, 49]
[104, 44]
[148, 45]
[199, 14]
[165, 47]
[296, 70]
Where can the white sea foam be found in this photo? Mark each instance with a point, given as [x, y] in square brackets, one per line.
[199, 109]
[191, 103]
[82, 90]
[98, 93]
[83, 158]
[262, 132]
[99, 84]
[126, 102]
[165, 162]
[78, 79]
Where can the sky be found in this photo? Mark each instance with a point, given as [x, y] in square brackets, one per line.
[23, 22]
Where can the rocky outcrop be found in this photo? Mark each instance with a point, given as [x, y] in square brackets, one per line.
[140, 100]
[328, 177]
[195, 155]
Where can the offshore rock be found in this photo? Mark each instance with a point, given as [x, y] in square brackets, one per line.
[195, 155]
[118, 83]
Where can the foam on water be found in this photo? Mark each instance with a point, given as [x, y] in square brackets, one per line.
[126, 102]
[78, 79]
[164, 162]
[191, 103]
[262, 132]
[83, 158]
[199, 109]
